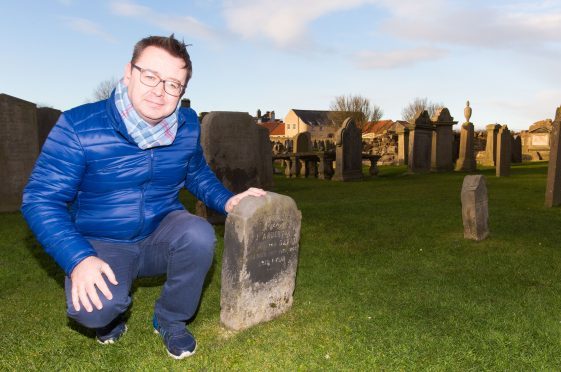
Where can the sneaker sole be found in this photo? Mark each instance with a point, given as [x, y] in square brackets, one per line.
[111, 341]
[183, 355]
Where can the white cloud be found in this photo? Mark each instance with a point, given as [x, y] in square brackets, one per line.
[285, 22]
[88, 27]
[397, 58]
[182, 24]
[478, 26]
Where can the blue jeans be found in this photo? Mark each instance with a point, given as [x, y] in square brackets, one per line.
[181, 247]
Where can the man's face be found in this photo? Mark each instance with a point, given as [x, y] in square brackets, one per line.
[153, 104]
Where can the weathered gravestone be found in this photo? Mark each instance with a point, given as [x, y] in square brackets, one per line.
[348, 158]
[18, 149]
[238, 151]
[491, 145]
[46, 120]
[516, 148]
[420, 143]
[260, 260]
[503, 152]
[442, 141]
[466, 159]
[553, 187]
[402, 145]
[303, 142]
[475, 208]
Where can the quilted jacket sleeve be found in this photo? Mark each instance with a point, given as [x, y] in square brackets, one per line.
[202, 183]
[52, 185]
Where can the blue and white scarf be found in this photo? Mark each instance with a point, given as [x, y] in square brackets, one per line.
[145, 135]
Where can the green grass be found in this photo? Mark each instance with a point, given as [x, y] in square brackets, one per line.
[385, 282]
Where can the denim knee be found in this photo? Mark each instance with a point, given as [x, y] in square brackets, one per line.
[99, 318]
[195, 237]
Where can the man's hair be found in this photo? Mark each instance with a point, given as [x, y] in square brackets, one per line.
[170, 44]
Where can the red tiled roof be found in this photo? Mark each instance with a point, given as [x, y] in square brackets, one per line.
[276, 128]
[377, 126]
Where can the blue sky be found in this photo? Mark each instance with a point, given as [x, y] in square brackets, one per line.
[504, 56]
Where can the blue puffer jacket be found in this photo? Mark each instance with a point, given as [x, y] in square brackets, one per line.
[91, 181]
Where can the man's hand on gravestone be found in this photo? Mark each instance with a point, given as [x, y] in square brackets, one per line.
[235, 200]
[86, 279]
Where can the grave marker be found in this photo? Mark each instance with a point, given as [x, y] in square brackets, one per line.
[261, 243]
[475, 208]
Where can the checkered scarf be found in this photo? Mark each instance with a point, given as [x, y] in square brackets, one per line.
[145, 135]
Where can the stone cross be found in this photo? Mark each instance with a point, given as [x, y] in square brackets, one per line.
[261, 243]
[553, 188]
[475, 209]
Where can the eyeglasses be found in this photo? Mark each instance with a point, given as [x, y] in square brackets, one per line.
[151, 79]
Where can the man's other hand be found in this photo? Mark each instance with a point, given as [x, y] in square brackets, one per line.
[235, 200]
[86, 277]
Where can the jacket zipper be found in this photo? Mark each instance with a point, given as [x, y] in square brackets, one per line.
[143, 191]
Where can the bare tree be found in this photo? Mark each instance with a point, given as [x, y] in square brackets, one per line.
[358, 107]
[104, 89]
[418, 105]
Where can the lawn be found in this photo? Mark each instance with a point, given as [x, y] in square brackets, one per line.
[385, 282]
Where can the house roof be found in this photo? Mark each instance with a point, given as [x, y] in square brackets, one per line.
[376, 126]
[276, 128]
[314, 117]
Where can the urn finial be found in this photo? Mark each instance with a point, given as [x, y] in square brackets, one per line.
[467, 112]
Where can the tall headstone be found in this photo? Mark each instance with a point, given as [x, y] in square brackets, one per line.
[261, 242]
[466, 159]
[442, 141]
[348, 158]
[553, 187]
[503, 152]
[238, 151]
[46, 120]
[420, 143]
[303, 142]
[475, 207]
[516, 147]
[491, 145]
[18, 149]
[402, 145]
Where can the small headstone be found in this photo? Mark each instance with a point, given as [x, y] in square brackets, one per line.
[348, 158]
[238, 151]
[553, 188]
[303, 142]
[261, 243]
[503, 152]
[475, 208]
